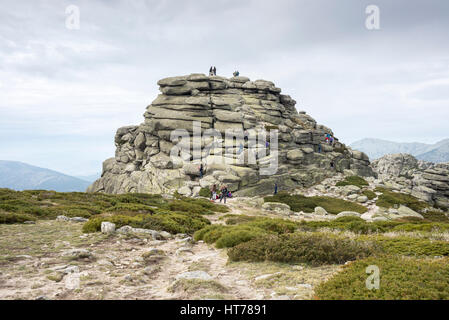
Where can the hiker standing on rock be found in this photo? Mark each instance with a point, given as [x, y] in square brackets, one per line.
[215, 71]
[201, 171]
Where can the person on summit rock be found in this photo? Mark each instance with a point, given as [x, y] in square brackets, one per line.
[211, 71]
[215, 71]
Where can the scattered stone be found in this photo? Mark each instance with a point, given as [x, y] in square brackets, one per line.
[78, 219]
[29, 222]
[107, 227]
[277, 207]
[407, 212]
[266, 276]
[362, 199]
[348, 214]
[78, 254]
[320, 211]
[62, 218]
[201, 275]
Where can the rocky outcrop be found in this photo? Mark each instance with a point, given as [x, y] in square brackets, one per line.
[197, 104]
[424, 180]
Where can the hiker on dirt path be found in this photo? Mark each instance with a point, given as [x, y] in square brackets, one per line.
[213, 192]
[224, 194]
[275, 188]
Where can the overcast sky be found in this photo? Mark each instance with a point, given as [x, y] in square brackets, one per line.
[63, 93]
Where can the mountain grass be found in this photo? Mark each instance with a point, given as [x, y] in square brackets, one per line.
[353, 181]
[401, 278]
[299, 203]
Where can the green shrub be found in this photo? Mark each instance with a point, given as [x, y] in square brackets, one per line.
[205, 192]
[8, 218]
[356, 225]
[231, 235]
[353, 181]
[408, 246]
[314, 249]
[173, 222]
[131, 207]
[238, 235]
[435, 216]
[401, 278]
[232, 219]
[390, 199]
[307, 204]
[370, 194]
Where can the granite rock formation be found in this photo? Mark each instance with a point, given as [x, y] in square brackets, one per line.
[425, 180]
[143, 161]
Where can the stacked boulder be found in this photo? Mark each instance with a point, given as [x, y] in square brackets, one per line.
[144, 161]
[424, 180]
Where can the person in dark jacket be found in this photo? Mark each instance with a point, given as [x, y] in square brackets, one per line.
[215, 71]
[275, 188]
[224, 193]
[201, 171]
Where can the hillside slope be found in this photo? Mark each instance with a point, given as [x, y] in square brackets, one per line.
[21, 176]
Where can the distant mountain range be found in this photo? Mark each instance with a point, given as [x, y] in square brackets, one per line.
[376, 148]
[21, 176]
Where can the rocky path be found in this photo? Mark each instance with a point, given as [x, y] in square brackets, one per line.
[55, 260]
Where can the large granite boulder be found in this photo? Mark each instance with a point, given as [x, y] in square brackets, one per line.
[425, 180]
[153, 158]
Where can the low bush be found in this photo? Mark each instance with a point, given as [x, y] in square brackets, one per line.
[435, 216]
[232, 219]
[205, 192]
[173, 222]
[408, 246]
[299, 203]
[370, 194]
[353, 181]
[401, 278]
[131, 207]
[314, 249]
[245, 230]
[8, 218]
[390, 199]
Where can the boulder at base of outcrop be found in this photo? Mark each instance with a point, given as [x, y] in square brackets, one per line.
[348, 214]
[404, 211]
[320, 211]
[107, 227]
[424, 180]
[277, 207]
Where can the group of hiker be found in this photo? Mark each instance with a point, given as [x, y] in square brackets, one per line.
[213, 72]
[221, 194]
[329, 139]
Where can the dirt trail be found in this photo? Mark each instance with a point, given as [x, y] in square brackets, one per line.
[34, 265]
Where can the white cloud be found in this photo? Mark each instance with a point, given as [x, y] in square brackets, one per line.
[63, 93]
